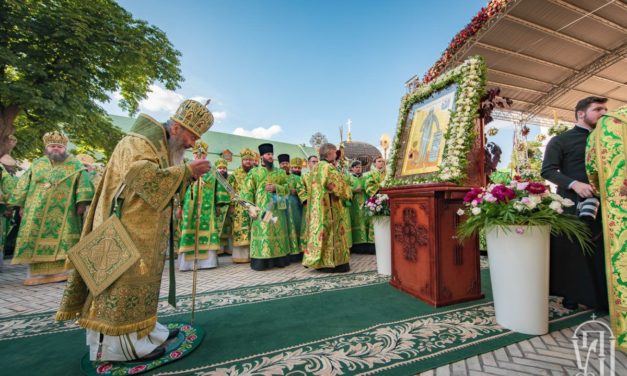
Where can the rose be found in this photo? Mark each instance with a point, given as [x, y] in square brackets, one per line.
[460, 212]
[476, 211]
[472, 194]
[176, 354]
[555, 205]
[503, 193]
[535, 188]
[191, 337]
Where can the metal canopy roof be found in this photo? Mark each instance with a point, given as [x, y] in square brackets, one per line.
[548, 54]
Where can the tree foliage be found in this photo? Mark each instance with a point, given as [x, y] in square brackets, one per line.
[60, 58]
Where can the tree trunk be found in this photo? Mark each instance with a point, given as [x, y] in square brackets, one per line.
[7, 125]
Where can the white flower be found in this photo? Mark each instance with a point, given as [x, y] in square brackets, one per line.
[519, 206]
[557, 206]
[475, 211]
[535, 199]
[460, 212]
[522, 186]
[567, 202]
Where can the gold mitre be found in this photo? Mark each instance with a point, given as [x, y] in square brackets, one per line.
[193, 116]
[200, 147]
[296, 162]
[221, 162]
[247, 153]
[86, 159]
[55, 138]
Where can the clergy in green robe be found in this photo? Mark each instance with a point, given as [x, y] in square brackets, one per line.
[327, 244]
[148, 163]
[208, 238]
[240, 221]
[361, 225]
[266, 187]
[7, 183]
[375, 177]
[295, 209]
[223, 200]
[606, 166]
[52, 196]
[303, 195]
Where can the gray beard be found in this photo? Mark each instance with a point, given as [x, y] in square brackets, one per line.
[176, 150]
[57, 157]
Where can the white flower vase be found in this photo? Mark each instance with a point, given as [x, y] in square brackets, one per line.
[519, 272]
[383, 244]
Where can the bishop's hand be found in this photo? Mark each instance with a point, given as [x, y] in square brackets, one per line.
[199, 167]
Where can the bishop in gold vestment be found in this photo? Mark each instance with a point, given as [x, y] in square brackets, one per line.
[147, 168]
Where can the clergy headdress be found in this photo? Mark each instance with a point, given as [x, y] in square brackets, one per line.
[55, 138]
[221, 162]
[246, 153]
[193, 116]
[265, 148]
[200, 147]
[297, 162]
[284, 158]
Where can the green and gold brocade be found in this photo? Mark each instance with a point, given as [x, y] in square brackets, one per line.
[49, 193]
[374, 178]
[240, 222]
[141, 162]
[268, 240]
[327, 243]
[7, 184]
[209, 226]
[606, 165]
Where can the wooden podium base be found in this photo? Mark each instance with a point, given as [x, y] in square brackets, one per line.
[428, 261]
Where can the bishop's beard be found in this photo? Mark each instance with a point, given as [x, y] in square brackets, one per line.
[176, 149]
[57, 157]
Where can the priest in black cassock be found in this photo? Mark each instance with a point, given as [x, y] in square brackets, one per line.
[577, 277]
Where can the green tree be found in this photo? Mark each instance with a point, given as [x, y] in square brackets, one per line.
[60, 58]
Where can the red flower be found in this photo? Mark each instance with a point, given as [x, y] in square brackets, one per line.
[104, 368]
[473, 194]
[185, 327]
[176, 354]
[503, 193]
[137, 369]
[191, 338]
[535, 188]
[517, 177]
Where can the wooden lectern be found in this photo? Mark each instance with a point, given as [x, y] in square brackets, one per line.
[428, 261]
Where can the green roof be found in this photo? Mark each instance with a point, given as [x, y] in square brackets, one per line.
[218, 142]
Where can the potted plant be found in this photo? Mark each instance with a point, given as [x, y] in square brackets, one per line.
[518, 219]
[377, 208]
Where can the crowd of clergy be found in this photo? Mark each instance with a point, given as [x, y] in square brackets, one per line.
[312, 207]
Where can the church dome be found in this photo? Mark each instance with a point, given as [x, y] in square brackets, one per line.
[362, 151]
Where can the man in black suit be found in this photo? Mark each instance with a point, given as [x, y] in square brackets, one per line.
[577, 277]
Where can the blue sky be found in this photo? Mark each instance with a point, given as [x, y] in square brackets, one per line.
[290, 68]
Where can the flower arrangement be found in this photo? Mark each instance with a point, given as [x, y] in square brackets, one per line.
[520, 203]
[460, 134]
[378, 206]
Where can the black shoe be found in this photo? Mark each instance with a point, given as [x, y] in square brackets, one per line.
[155, 354]
[570, 305]
[173, 333]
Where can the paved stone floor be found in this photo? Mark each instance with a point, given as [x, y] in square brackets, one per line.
[551, 354]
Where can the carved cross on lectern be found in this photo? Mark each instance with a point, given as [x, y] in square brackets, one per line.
[411, 235]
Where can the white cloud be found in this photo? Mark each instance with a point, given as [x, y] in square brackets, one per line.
[161, 100]
[219, 115]
[259, 132]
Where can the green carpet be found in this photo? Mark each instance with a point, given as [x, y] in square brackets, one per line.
[350, 324]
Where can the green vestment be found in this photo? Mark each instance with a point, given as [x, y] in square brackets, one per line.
[49, 193]
[7, 184]
[209, 226]
[374, 178]
[267, 239]
[294, 213]
[327, 243]
[361, 225]
[240, 222]
[606, 165]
